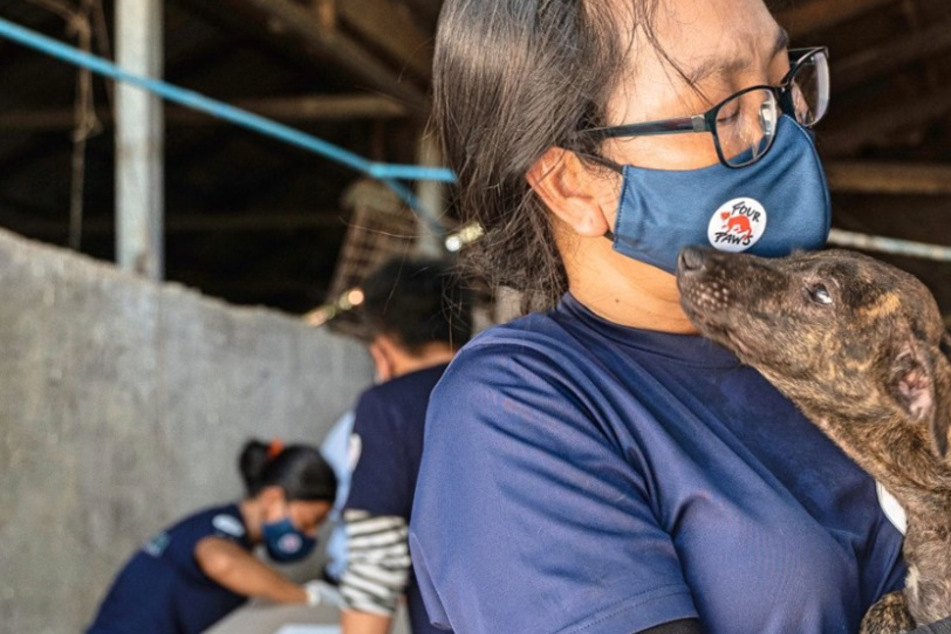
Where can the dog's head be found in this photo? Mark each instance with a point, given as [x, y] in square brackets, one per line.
[840, 333]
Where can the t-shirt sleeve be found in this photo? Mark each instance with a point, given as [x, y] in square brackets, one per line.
[379, 484]
[528, 516]
[224, 523]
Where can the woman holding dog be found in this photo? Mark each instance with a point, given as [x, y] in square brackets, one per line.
[597, 467]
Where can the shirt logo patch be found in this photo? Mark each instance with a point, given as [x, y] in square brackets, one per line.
[737, 225]
[290, 543]
[228, 524]
[157, 545]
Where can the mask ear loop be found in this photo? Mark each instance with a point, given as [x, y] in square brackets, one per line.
[611, 165]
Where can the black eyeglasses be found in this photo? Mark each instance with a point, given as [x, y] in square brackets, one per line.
[744, 124]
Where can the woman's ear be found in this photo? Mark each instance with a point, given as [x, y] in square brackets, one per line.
[573, 192]
[382, 352]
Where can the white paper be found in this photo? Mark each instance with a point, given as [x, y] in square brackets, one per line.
[308, 629]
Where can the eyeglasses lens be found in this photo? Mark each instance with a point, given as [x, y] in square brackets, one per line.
[745, 126]
[809, 90]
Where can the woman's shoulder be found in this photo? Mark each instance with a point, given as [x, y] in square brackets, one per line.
[529, 345]
[222, 521]
[532, 335]
[530, 359]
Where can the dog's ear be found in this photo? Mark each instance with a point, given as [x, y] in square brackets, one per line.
[911, 383]
[912, 386]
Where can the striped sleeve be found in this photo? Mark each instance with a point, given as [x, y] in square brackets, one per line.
[378, 562]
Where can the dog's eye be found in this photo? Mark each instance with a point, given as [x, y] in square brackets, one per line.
[820, 294]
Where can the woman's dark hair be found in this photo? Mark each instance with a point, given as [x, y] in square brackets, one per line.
[511, 79]
[298, 469]
[417, 302]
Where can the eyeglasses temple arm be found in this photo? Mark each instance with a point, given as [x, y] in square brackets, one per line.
[696, 123]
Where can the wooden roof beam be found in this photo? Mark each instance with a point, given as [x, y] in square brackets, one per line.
[326, 107]
[846, 136]
[287, 109]
[865, 177]
[884, 58]
[817, 15]
[303, 25]
[195, 221]
[392, 29]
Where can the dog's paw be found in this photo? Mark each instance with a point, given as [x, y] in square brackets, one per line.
[888, 616]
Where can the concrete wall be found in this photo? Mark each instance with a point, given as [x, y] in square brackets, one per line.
[123, 405]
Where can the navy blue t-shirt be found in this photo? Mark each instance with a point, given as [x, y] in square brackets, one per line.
[161, 590]
[390, 419]
[581, 476]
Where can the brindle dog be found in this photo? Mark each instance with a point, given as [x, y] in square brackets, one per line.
[859, 346]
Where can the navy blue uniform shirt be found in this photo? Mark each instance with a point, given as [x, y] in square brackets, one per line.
[161, 590]
[390, 419]
[584, 477]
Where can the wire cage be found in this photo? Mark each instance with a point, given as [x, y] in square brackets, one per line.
[381, 227]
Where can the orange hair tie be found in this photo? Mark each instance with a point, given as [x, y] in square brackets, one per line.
[275, 449]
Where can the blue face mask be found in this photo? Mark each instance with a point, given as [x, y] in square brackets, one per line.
[770, 208]
[284, 543]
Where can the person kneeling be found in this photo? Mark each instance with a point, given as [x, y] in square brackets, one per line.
[194, 573]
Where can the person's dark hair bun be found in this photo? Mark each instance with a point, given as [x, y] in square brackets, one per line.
[251, 462]
[298, 469]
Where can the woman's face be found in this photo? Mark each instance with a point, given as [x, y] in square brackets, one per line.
[305, 515]
[722, 46]
[709, 49]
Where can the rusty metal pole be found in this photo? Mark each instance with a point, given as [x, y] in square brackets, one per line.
[140, 190]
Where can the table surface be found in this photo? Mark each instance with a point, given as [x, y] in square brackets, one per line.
[266, 618]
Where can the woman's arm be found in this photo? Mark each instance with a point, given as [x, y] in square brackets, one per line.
[377, 571]
[353, 622]
[241, 572]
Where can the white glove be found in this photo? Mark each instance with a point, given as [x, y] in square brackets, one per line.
[320, 592]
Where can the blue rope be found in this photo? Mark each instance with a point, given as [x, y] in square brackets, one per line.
[385, 172]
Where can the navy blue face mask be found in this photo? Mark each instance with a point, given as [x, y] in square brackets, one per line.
[770, 208]
[284, 543]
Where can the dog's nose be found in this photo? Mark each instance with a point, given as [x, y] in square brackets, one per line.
[691, 259]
